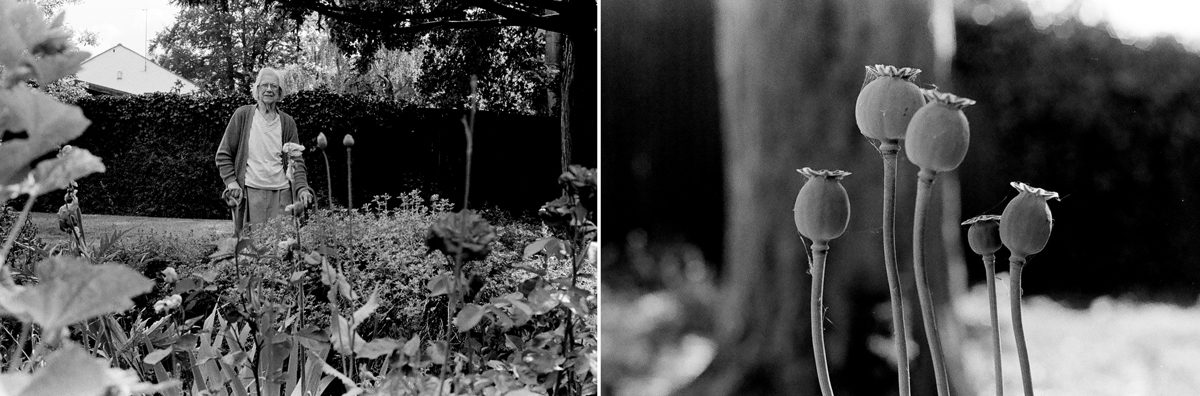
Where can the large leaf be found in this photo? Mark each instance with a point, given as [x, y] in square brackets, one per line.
[71, 371]
[58, 173]
[377, 347]
[367, 309]
[72, 290]
[339, 335]
[47, 123]
[468, 317]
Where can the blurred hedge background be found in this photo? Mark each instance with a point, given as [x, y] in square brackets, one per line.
[1112, 125]
[159, 151]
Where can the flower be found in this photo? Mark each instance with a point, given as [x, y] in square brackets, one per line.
[169, 275]
[322, 142]
[461, 232]
[293, 150]
[348, 141]
[887, 102]
[938, 135]
[984, 234]
[822, 209]
[578, 177]
[168, 303]
[1026, 222]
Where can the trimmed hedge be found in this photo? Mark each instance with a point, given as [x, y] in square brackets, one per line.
[159, 150]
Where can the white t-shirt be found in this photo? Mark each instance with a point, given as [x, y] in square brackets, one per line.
[264, 163]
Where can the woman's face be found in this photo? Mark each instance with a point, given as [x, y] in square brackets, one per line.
[268, 89]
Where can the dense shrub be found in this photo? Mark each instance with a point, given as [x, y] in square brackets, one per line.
[159, 151]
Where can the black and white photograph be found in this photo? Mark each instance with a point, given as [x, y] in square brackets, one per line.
[299, 197]
[913, 197]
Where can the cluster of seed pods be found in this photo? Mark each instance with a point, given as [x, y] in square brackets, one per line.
[890, 109]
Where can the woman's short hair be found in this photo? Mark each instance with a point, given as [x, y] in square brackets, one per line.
[279, 76]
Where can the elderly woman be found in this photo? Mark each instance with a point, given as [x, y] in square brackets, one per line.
[251, 159]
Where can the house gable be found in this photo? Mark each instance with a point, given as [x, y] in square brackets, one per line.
[121, 70]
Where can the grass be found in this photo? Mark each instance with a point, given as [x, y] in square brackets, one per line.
[98, 225]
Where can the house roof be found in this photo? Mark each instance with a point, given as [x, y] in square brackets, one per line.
[111, 85]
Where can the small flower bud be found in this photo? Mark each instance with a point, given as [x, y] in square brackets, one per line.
[887, 103]
[822, 209]
[322, 141]
[984, 234]
[938, 134]
[169, 275]
[348, 141]
[1026, 221]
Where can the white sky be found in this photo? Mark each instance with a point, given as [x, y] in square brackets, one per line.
[1132, 19]
[121, 21]
[125, 22]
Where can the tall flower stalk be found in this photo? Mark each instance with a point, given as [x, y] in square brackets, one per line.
[984, 238]
[884, 107]
[322, 143]
[822, 213]
[936, 141]
[1024, 229]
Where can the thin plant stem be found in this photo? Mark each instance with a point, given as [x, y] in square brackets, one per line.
[989, 266]
[451, 301]
[16, 230]
[819, 250]
[1016, 264]
[349, 179]
[888, 150]
[14, 357]
[328, 179]
[924, 185]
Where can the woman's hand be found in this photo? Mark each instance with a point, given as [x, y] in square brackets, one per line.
[306, 198]
[232, 195]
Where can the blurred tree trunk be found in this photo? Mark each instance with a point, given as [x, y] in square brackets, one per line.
[789, 72]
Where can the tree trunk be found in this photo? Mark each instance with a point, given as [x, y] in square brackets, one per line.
[578, 98]
[789, 73]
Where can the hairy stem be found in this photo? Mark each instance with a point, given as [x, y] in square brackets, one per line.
[16, 230]
[989, 266]
[817, 319]
[1016, 264]
[14, 357]
[924, 185]
[888, 150]
[328, 179]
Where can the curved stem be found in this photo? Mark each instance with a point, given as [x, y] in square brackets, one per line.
[924, 185]
[989, 265]
[1015, 266]
[888, 150]
[328, 179]
[819, 250]
[16, 230]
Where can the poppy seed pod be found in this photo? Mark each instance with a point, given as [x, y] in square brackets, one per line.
[938, 134]
[822, 209]
[322, 141]
[984, 234]
[887, 103]
[1026, 221]
[348, 141]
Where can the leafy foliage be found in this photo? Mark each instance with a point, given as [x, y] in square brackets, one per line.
[221, 48]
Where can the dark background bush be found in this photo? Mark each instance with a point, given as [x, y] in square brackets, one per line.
[159, 150]
[1112, 126]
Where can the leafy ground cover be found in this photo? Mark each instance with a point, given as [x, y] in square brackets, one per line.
[659, 339]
